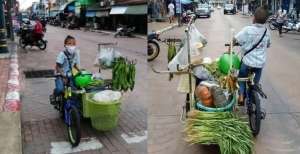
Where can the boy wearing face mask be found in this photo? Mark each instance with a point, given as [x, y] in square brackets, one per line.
[66, 57]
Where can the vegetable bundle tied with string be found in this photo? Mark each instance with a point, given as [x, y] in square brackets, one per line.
[171, 54]
[123, 74]
[223, 128]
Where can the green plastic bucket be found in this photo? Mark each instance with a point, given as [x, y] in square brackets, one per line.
[104, 116]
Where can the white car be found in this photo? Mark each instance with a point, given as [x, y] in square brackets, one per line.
[218, 7]
[229, 8]
[203, 10]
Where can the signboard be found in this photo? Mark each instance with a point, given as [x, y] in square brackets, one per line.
[178, 6]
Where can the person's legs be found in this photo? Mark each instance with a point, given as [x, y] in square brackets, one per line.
[59, 86]
[257, 77]
[280, 29]
[242, 73]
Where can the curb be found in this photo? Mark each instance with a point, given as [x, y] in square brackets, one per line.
[111, 33]
[12, 100]
[10, 117]
[167, 28]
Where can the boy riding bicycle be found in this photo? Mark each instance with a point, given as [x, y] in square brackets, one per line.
[69, 56]
[254, 41]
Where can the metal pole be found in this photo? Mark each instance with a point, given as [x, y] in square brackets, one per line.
[187, 31]
[3, 44]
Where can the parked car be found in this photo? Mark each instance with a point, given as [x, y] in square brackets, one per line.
[229, 8]
[203, 10]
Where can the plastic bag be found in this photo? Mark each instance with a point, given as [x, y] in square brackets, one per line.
[197, 41]
[106, 56]
[107, 96]
[202, 73]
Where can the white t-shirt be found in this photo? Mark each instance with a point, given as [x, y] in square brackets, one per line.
[171, 7]
[247, 38]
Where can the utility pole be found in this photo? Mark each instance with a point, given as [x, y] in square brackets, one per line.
[3, 44]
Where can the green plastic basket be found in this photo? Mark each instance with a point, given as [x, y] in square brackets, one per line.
[104, 116]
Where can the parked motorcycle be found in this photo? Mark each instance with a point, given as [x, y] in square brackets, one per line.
[273, 25]
[153, 46]
[26, 38]
[123, 30]
[292, 25]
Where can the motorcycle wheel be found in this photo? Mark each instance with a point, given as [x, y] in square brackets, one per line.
[42, 44]
[153, 50]
[22, 43]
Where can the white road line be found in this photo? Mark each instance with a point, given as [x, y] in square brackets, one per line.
[134, 138]
[65, 147]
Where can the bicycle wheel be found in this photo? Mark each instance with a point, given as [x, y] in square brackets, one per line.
[74, 127]
[254, 113]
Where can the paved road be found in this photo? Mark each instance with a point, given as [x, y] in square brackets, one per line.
[280, 131]
[41, 126]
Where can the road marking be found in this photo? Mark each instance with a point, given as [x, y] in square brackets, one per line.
[134, 138]
[65, 147]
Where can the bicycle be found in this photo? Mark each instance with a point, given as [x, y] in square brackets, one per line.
[255, 114]
[252, 100]
[69, 106]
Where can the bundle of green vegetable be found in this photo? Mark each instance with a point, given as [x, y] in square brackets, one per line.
[223, 128]
[95, 83]
[123, 75]
[228, 82]
[171, 55]
[213, 69]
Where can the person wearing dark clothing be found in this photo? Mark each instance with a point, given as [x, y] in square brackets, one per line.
[297, 6]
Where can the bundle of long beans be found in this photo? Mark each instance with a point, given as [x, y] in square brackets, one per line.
[223, 128]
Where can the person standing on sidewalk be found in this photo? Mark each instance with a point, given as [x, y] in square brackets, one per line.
[280, 19]
[171, 8]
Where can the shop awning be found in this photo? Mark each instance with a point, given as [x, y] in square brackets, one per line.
[130, 10]
[102, 13]
[136, 10]
[99, 12]
[118, 10]
[63, 7]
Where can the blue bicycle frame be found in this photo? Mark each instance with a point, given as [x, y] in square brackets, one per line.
[67, 106]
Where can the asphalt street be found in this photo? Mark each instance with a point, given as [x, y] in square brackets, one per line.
[280, 131]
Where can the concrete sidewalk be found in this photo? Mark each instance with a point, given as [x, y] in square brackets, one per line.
[10, 122]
